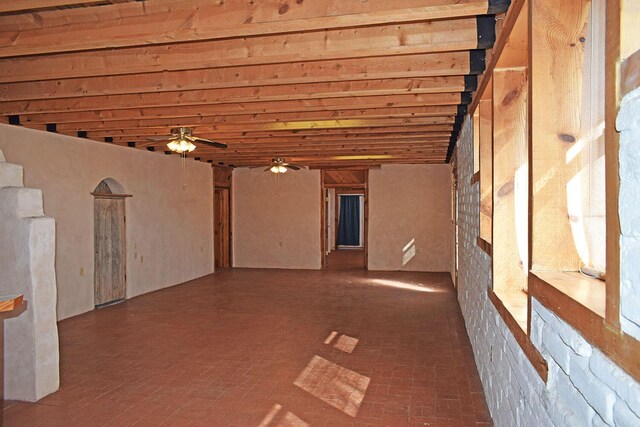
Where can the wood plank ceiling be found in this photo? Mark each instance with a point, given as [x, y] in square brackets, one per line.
[321, 83]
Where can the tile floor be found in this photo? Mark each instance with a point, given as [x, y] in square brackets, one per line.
[269, 348]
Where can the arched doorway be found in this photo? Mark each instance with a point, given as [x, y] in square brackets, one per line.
[110, 254]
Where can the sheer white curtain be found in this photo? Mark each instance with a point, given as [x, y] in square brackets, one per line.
[586, 190]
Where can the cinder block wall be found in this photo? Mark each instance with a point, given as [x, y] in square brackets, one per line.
[584, 387]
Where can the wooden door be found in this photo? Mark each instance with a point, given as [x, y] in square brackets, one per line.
[110, 250]
[221, 227]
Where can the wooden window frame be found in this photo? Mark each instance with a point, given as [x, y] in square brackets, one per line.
[485, 150]
[522, 336]
[476, 148]
[598, 321]
[596, 316]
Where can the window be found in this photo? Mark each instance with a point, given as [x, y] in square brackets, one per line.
[476, 144]
[485, 136]
[568, 158]
[553, 171]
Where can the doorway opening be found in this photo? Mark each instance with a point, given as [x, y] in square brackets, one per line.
[222, 217]
[350, 221]
[221, 227]
[110, 252]
[344, 219]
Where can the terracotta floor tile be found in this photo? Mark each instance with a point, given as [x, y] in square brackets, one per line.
[225, 349]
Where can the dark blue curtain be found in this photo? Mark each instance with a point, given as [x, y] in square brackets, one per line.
[349, 221]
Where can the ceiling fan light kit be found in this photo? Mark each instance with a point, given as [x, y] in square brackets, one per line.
[279, 165]
[181, 146]
[278, 169]
[182, 141]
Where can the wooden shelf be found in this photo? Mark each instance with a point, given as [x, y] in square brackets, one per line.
[10, 302]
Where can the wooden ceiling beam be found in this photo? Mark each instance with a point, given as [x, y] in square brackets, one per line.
[440, 148]
[333, 162]
[167, 121]
[261, 148]
[257, 76]
[261, 133]
[306, 159]
[277, 125]
[303, 139]
[344, 43]
[297, 128]
[328, 152]
[258, 157]
[171, 21]
[23, 6]
[294, 110]
[438, 85]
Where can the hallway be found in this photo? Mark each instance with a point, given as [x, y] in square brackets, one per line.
[346, 259]
[269, 348]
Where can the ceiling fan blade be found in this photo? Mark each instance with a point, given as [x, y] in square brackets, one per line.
[160, 138]
[208, 142]
[294, 167]
[268, 168]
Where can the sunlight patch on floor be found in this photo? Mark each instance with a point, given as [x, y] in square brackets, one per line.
[403, 285]
[346, 343]
[339, 387]
[288, 420]
[291, 420]
[270, 415]
[330, 338]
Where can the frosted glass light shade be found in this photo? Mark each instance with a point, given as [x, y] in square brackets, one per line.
[180, 146]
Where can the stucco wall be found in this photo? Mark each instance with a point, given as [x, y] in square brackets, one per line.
[410, 203]
[27, 267]
[169, 231]
[276, 219]
[584, 387]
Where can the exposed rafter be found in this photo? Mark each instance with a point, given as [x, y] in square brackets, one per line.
[320, 83]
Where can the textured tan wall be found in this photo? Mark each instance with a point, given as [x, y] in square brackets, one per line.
[169, 231]
[410, 202]
[276, 219]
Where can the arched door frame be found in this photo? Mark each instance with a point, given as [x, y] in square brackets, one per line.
[110, 255]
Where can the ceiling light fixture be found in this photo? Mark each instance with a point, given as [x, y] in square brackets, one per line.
[181, 146]
[279, 165]
[278, 169]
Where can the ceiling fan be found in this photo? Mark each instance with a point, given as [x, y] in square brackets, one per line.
[182, 139]
[279, 165]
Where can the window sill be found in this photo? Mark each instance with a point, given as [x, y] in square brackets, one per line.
[515, 302]
[519, 331]
[485, 246]
[588, 292]
[580, 301]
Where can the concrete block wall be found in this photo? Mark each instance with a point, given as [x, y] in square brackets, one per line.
[584, 387]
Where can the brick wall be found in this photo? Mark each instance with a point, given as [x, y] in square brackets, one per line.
[584, 388]
[628, 124]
